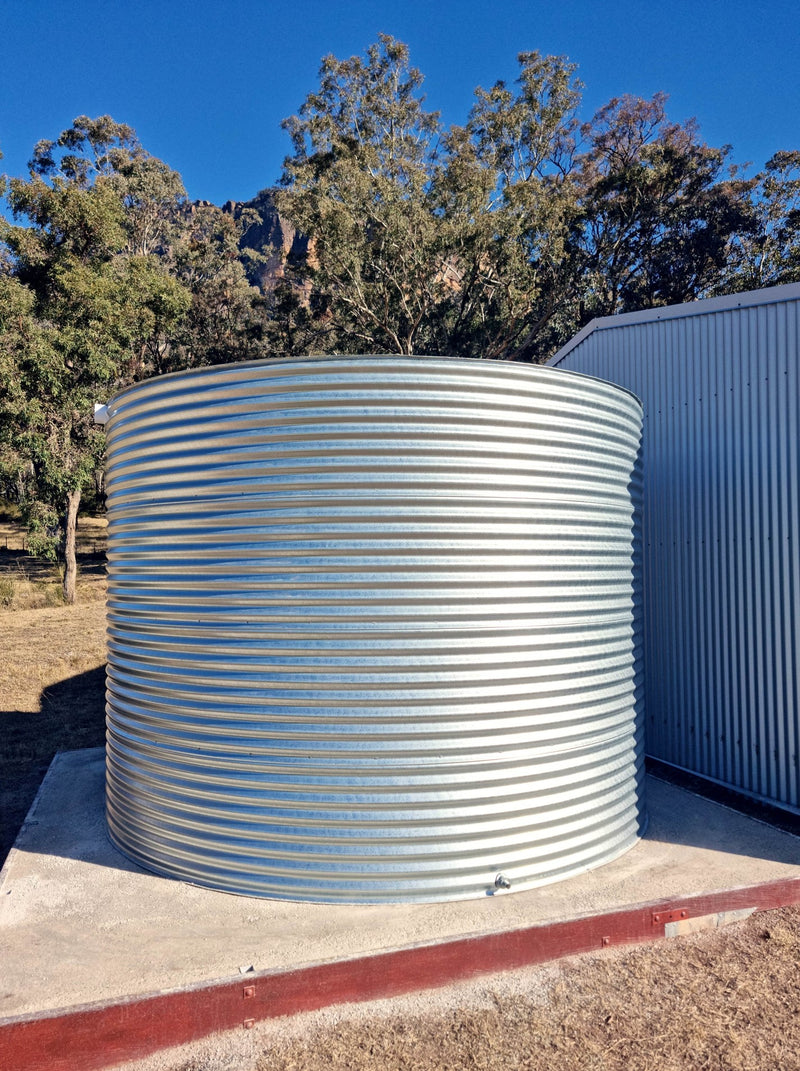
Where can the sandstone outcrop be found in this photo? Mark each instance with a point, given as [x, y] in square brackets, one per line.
[271, 236]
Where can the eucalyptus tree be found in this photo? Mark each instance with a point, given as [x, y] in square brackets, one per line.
[501, 237]
[661, 210]
[421, 238]
[87, 304]
[227, 318]
[768, 253]
[360, 183]
[513, 203]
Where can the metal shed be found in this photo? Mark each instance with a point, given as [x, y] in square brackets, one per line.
[719, 383]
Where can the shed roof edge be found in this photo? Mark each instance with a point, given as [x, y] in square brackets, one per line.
[748, 298]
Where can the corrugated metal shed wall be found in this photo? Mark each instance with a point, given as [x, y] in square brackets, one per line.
[721, 526]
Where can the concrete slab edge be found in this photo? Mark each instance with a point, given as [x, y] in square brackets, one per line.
[96, 1036]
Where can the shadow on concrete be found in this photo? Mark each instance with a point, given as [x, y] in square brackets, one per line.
[71, 715]
[68, 820]
[762, 810]
[681, 816]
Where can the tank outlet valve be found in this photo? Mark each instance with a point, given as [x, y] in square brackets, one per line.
[502, 882]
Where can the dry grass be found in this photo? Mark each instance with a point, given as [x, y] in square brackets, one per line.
[29, 583]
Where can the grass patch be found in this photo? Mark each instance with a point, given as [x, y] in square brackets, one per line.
[20, 593]
[29, 583]
[6, 592]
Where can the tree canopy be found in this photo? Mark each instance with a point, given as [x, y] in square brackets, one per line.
[497, 238]
[361, 182]
[501, 237]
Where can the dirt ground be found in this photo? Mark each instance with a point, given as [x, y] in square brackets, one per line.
[726, 1000]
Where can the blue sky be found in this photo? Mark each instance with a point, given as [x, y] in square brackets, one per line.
[206, 84]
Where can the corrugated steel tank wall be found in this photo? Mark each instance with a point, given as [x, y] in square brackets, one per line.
[372, 627]
[722, 573]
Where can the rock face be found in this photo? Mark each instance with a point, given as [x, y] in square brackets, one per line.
[271, 236]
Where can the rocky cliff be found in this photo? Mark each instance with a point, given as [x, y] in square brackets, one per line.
[271, 236]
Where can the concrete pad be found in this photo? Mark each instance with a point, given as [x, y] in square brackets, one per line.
[79, 923]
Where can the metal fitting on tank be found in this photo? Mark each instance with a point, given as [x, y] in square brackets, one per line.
[502, 882]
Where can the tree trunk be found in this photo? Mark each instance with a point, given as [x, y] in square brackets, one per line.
[70, 563]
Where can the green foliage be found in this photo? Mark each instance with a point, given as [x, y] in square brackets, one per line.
[361, 183]
[446, 241]
[113, 277]
[48, 381]
[659, 209]
[768, 252]
[83, 309]
[226, 316]
[512, 196]
[44, 529]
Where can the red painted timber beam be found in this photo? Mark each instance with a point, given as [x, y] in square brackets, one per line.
[97, 1036]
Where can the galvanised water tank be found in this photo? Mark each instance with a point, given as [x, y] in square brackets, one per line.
[374, 627]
